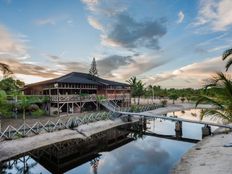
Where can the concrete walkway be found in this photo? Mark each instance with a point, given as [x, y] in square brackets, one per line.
[208, 156]
[9, 149]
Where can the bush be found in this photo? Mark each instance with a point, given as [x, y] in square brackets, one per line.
[38, 113]
[164, 103]
[55, 112]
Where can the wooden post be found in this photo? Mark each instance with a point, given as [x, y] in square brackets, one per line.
[49, 104]
[206, 131]
[178, 129]
[58, 101]
[72, 108]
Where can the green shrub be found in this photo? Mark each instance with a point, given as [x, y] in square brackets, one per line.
[38, 113]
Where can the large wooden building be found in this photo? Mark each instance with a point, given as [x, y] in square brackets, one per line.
[77, 91]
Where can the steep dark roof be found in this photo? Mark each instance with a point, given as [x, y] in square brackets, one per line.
[80, 78]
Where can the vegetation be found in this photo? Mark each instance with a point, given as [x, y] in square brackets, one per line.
[222, 100]
[173, 97]
[227, 55]
[12, 99]
[38, 113]
[93, 69]
[137, 88]
[11, 86]
[5, 69]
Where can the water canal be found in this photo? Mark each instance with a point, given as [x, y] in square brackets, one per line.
[125, 150]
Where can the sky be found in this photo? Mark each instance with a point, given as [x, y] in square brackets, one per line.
[172, 43]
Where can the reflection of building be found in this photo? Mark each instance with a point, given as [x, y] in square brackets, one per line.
[62, 157]
[77, 91]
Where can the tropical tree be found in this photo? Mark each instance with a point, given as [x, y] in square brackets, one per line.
[182, 99]
[93, 68]
[11, 86]
[137, 88]
[227, 55]
[222, 101]
[6, 71]
[5, 106]
[133, 84]
[151, 90]
[173, 97]
[25, 102]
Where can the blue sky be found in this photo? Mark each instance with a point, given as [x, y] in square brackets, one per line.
[172, 43]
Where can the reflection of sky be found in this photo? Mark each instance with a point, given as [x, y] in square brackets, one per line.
[34, 167]
[147, 155]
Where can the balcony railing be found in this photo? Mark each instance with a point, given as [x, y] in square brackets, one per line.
[91, 97]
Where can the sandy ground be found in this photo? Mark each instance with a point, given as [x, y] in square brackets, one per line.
[9, 149]
[208, 157]
[177, 107]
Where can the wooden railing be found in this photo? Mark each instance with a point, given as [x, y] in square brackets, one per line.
[91, 97]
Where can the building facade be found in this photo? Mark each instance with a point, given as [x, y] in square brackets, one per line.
[76, 92]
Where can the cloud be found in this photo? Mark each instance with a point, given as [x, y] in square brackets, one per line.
[113, 62]
[140, 65]
[137, 156]
[29, 68]
[115, 67]
[194, 73]
[63, 66]
[215, 14]
[129, 33]
[106, 8]
[54, 20]
[10, 44]
[119, 29]
[180, 17]
[95, 24]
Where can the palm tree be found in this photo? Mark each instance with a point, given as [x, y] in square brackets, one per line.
[227, 55]
[5, 69]
[2, 105]
[151, 89]
[133, 83]
[222, 101]
[173, 97]
[139, 90]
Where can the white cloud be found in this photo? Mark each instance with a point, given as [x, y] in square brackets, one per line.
[140, 65]
[214, 13]
[53, 20]
[192, 75]
[95, 23]
[10, 45]
[180, 17]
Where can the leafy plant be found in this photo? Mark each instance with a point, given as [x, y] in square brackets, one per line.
[222, 100]
[38, 113]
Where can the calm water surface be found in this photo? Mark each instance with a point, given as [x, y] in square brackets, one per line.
[122, 155]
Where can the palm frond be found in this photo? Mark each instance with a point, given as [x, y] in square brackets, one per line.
[213, 113]
[226, 54]
[228, 64]
[209, 100]
[5, 69]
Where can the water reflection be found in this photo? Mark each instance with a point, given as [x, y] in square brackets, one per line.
[127, 149]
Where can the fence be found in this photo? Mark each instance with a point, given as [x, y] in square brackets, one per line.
[27, 130]
[50, 126]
